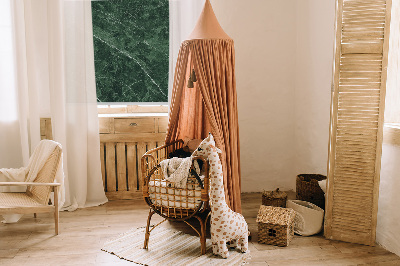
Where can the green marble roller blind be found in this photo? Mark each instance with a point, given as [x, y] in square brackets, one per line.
[131, 49]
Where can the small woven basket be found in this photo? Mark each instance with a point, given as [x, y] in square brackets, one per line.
[274, 198]
[275, 225]
[308, 189]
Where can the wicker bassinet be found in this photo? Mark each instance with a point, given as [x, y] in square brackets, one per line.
[170, 202]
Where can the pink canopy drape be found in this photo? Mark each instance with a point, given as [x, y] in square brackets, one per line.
[211, 106]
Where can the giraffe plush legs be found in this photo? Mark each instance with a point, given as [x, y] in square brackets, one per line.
[243, 244]
[232, 244]
[215, 248]
[221, 249]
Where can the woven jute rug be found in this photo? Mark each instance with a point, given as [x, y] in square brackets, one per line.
[168, 247]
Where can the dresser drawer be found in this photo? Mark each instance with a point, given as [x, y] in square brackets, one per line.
[162, 124]
[106, 125]
[134, 125]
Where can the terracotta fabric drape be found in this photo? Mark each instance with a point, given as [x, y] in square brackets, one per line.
[211, 106]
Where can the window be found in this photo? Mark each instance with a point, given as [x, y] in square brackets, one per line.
[131, 50]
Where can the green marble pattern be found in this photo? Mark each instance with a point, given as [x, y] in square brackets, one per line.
[131, 50]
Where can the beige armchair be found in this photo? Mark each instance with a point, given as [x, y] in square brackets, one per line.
[36, 197]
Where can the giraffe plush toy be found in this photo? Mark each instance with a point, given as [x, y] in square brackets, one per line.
[226, 225]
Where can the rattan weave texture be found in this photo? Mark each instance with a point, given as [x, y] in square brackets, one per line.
[46, 175]
[16, 199]
[308, 189]
[275, 225]
[274, 198]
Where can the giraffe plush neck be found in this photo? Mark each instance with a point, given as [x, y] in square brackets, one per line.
[217, 185]
[226, 225]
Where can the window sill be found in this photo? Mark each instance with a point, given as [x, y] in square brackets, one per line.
[132, 110]
[133, 115]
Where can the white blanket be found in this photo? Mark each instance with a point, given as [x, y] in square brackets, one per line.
[176, 170]
[29, 173]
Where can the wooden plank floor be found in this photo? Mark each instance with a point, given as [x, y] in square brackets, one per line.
[83, 232]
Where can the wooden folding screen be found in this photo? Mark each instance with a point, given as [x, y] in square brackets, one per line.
[358, 96]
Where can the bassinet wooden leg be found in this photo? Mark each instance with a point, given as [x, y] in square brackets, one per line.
[203, 236]
[203, 232]
[147, 235]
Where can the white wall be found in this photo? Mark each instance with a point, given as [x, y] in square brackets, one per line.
[264, 35]
[314, 60]
[284, 56]
[284, 52]
[388, 227]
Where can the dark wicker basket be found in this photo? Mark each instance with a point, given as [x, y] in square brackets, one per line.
[274, 198]
[308, 189]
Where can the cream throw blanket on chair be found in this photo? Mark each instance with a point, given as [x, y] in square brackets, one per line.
[29, 173]
[176, 170]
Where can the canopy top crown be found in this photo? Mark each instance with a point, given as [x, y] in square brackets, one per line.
[207, 26]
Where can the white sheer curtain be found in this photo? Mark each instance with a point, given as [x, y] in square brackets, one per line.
[10, 144]
[55, 78]
[183, 15]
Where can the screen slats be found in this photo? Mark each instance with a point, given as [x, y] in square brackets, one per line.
[357, 119]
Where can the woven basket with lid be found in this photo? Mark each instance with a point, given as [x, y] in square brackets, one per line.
[274, 198]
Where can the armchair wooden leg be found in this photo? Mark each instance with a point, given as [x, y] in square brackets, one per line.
[34, 215]
[56, 212]
[147, 235]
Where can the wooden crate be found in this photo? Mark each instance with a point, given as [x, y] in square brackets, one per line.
[123, 141]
